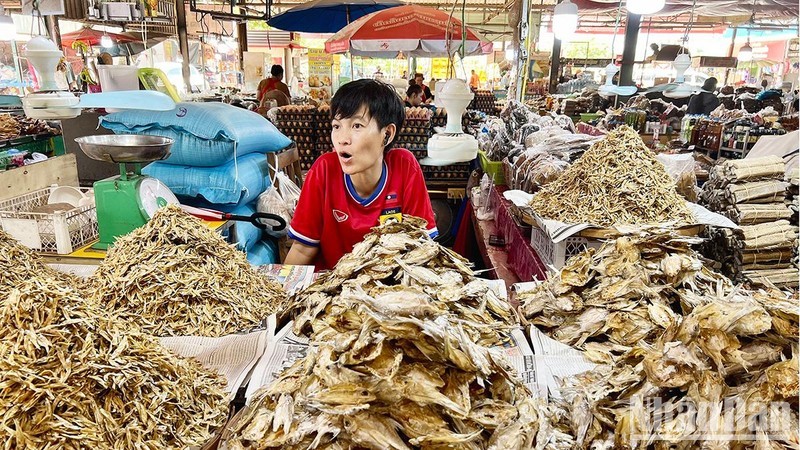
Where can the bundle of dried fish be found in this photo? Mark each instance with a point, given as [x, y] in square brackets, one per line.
[393, 366]
[605, 301]
[719, 377]
[176, 277]
[751, 193]
[617, 181]
[402, 262]
[75, 377]
[533, 170]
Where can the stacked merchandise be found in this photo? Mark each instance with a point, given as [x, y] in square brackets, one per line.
[217, 160]
[453, 173]
[323, 130]
[688, 360]
[299, 123]
[793, 203]
[484, 101]
[751, 193]
[414, 133]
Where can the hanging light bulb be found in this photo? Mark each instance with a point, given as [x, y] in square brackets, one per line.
[642, 7]
[565, 20]
[746, 52]
[106, 41]
[7, 28]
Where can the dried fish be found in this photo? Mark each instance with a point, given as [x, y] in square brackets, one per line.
[392, 366]
[176, 277]
[617, 181]
[77, 377]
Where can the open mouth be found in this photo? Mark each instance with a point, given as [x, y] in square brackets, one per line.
[345, 155]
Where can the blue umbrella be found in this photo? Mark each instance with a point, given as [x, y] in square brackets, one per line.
[327, 16]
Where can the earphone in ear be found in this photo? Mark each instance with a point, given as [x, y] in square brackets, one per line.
[386, 141]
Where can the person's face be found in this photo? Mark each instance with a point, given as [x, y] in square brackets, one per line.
[358, 141]
[415, 99]
[418, 80]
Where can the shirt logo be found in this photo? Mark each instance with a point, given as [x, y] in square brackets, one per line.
[391, 197]
[339, 216]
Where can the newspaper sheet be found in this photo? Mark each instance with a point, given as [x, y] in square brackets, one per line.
[282, 351]
[79, 270]
[499, 288]
[554, 360]
[521, 357]
[232, 356]
[292, 278]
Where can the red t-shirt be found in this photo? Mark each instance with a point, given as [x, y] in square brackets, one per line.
[332, 216]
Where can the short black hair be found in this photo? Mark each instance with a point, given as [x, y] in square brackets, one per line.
[379, 98]
[413, 89]
[276, 70]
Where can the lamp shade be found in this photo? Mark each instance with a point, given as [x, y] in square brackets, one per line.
[642, 7]
[565, 20]
[745, 53]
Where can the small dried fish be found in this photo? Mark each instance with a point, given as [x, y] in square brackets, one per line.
[618, 181]
[76, 377]
[175, 277]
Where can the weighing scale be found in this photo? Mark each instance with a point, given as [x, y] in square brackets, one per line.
[126, 201]
[452, 145]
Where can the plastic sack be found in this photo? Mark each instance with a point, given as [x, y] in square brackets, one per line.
[281, 199]
[263, 253]
[681, 169]
[205, 134]
[235, 183]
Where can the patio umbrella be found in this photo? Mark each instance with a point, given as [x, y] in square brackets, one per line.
[92, 37]
[411, 29]
[327, 16]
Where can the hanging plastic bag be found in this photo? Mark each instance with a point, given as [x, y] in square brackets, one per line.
[271, 201]
[289, 191]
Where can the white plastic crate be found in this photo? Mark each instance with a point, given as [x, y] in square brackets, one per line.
[59, 233]
[557, 254]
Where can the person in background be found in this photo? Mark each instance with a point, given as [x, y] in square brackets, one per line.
[419, 79]
[273, 83]
[764, 85]
[364, 182]
[378, 75]
[413, 96]
[474, 81]
[706, 100]
[404, 75]
[505, 79]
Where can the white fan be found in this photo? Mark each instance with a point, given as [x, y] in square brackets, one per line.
[609, 89]
[679, 88]
[53, 104]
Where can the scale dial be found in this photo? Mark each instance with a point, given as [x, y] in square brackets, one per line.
[152, 195]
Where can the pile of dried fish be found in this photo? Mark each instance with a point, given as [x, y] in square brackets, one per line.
[176, 277]
[394, 366]
[75, 377]
[533, 170]
[607, 300]
[724, 376]
[751, 192]
[19, 262]
[617, 181]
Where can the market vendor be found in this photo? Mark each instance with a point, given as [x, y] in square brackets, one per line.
[706, 100]
[362, 183]
[413, 96]
[273, 83]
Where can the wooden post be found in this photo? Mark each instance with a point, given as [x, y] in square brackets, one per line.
[632, 25]
[183, 42]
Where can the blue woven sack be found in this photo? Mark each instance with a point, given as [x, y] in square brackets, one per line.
[205, 134]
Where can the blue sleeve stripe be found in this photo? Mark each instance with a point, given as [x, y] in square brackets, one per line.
[302, 239]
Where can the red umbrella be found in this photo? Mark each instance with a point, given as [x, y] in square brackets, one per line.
[411, 29]
[92, 37]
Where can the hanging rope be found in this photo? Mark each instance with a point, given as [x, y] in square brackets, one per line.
[616, 29]
[685, 37]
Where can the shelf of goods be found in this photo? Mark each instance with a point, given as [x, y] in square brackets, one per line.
[731, 140]
[302, 125]
[484, 101]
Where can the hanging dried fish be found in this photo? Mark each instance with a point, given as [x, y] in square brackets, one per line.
[76, 377]
[176, 277]
[396, 360]
[617, 181]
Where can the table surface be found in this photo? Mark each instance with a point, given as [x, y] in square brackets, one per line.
[493, 257]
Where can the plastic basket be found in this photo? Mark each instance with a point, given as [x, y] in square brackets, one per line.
[492, 168]
[557, 254]
[59, 233]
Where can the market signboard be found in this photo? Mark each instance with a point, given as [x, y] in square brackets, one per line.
[320, 66]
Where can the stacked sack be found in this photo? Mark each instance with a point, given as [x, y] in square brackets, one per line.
[217, 160]
[751, 192]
